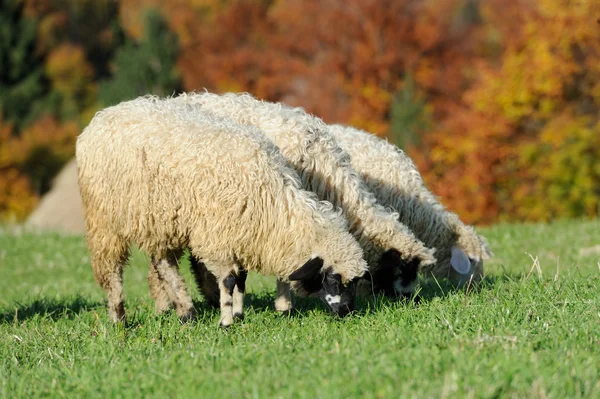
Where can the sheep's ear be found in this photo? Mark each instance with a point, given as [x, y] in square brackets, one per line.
[309, 270]
[460, 261]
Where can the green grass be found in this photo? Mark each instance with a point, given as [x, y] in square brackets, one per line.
[528, 331]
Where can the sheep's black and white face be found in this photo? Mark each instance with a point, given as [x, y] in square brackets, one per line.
[312, 280]
[395, 277]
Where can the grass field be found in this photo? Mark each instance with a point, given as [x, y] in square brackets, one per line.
[532, 329]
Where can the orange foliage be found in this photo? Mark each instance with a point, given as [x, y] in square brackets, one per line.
[340, 60]
[16, 197]
[524, 143]
[29, 161]
[510, 88]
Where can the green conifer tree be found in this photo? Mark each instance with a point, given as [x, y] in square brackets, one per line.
[22, 82]
[144, 67]
[409, 116]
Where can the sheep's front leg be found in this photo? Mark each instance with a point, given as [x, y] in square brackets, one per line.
[167, 271]
[238, 294]
[283, 300]
[226, 288]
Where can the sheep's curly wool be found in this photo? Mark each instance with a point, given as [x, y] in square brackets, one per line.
[324, 168]
[169, 177]
[397, 183]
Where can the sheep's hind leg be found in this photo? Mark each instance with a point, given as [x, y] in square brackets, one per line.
[167, 270]
[109, 255]
[283, 300]
[159, 291]
[113, 285]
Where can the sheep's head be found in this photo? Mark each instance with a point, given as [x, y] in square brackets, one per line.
[315, 280]
[464, 269]
[394, 277]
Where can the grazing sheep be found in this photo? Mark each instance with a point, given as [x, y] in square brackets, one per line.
[169, 177]
[391, 250]
[396, 182]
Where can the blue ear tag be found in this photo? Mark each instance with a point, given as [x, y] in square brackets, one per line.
[460, 261]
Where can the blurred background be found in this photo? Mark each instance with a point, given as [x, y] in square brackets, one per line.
[496, 101]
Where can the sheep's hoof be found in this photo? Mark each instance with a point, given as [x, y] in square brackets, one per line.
[162, 308]
[117, 314]
[188, 317]
[283, 305]
[238, 316]
[224, 326]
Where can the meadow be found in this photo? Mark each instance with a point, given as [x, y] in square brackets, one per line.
[531, 329]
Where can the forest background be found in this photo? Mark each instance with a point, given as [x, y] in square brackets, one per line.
[497, 101]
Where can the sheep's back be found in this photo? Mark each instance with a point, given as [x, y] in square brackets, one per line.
[154, 173]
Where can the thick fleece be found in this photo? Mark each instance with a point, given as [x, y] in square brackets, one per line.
[325, 169]
[169, 177]
[397, 183]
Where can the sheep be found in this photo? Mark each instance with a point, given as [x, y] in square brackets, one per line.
[391, 250]
[169, 178]
[396, 182]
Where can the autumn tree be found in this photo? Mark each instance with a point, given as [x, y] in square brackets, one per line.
[23, 84]
[48, 91]
[524, 142]
[344, 61]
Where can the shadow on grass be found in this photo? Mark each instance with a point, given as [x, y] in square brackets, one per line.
[264, 301]
[52, 309]
[303, 306]
[429, 289]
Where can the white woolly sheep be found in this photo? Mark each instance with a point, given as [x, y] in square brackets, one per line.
[169, 177]
[391, 250]
[397, 183]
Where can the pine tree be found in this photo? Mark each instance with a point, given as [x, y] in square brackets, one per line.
[22, 82]
[409, 116]
[147, 67]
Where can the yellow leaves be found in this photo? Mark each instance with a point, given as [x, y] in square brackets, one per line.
[376, 95]
[537, 66]
[17, 198]
[426, 74]
[229, 85]
[560, 174]
[369, 102]
[68, 69]
[47, 132]
[131, 16]
[530, 129]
